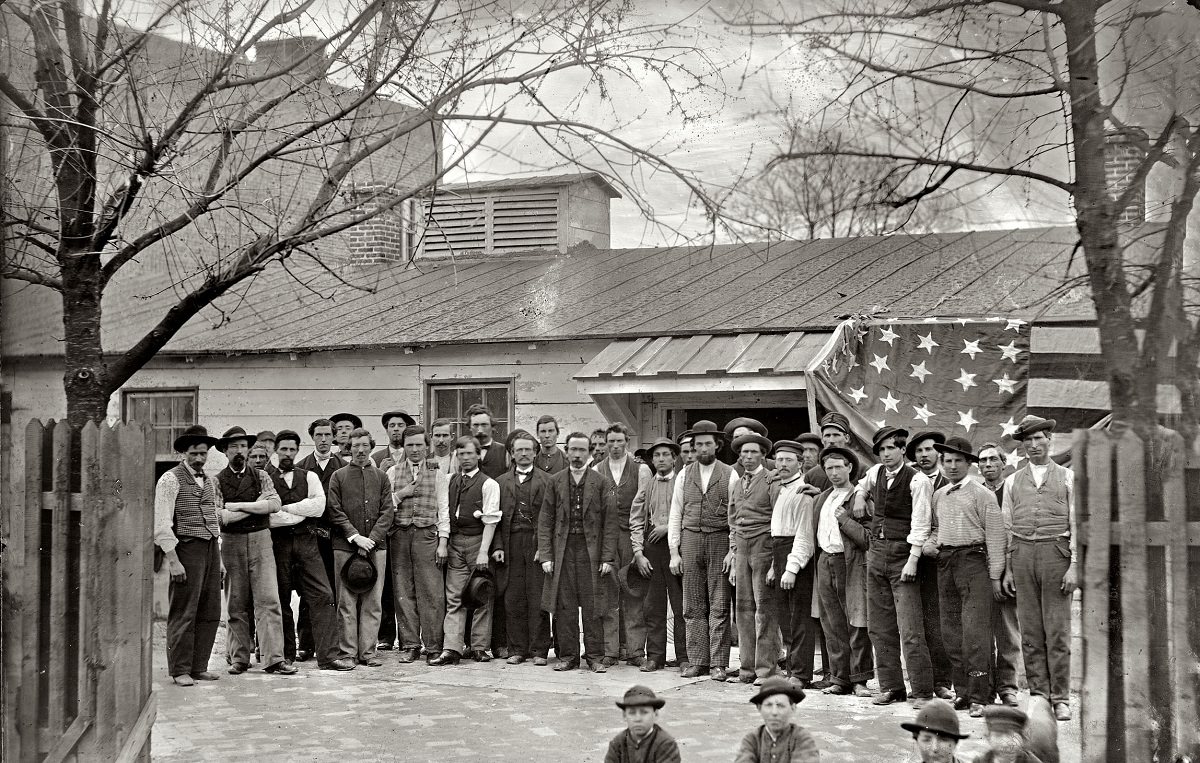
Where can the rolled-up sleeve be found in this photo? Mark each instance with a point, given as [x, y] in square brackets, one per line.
[491, 503]
[441, 496]
[675, 518]
[922, 521]
[165, 493]
[802, 546]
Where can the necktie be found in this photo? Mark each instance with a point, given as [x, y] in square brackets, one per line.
[954, 487]
[662, 479]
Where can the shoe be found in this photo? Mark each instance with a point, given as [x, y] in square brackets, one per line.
[501, 652]
[516, 659]
[719, 674]
[1062, 711]
[205, 676]
[409, 655]
[962, 703]
[609, 662]
[745, 676]
[340, 664]
[942, 692]
[237, 668]
[385, 646]
[597, 666]
[1008, 698]
[758, 681]
[635, 661]
[649, 666]
[675, 664]
[823, 684]
[540, 661]
[836, 689]
[286, 661]
[565, 665]
[481, 655]
[920, 702]
[447, 657]
[976, 710]
[888, 697]
[282, 669]
[184, 680]
[694, 671]
[861, 690]
[371, 663]
[303, 656]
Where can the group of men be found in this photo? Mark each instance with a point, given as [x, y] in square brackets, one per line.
[502, 550]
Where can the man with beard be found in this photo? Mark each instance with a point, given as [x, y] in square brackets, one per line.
[577, 543]
[493, 461]
[550, 458]
[523, 491]
[441, 432]
[246, 498]
[322, 462]
[298, 564]
[343, 425]
[361, 509]
[418, 544]
[1006, 654]
[750, 514]
[922, 451]
[698, 535]
[186, 530]
[394, 424]
[790, 515]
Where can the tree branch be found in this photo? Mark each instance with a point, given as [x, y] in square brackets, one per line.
[29, 275]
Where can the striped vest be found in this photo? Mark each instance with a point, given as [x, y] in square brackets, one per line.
[195, 507]
[245, 487]
[706, 511]
[892, 519]
[1040, 512]
[420, 510]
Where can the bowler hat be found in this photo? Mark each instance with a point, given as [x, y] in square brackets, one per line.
[884, 433]
[359, 573]
[937, 716]
[194, 435]
[408, 420]
[1031, 424]
[266, 434]
[778, 685]
[704, 426]
[836, 420]
[641, 696]
[663, 442]
[754, 425]
[846, 453]
[479, 588]
[910, 450]
[1003, 718]
[811, 438]
[959, 446]
[749, 439]
[356, 421]
[232, 435]
[632, 581]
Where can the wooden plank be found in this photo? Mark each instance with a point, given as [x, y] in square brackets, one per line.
[64, 743]
[1185, 726]
[1135, 636]
[89, 564]
[11, 652]
[146, 523]
[139, 732]
[100, 744]
[1093, 452]
[60, 515]
[135, 606]
[31, 598]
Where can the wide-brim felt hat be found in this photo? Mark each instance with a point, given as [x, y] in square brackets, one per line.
[641, 696]
[1031, 424]
[232, 435]
[194, 435]
[356, 421]
[778, 685]
[883, 433]
[408, 420]
[910, 450]
[850, 456]
[959, 446]
[632, 582]
[754, 425]
[704, 426]
[836, 420]
[748, 439]
[937, 716]
[359, 573]
[663, 442]
[479, 589]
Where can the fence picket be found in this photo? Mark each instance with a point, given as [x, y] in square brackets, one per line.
[1135, 634]
[31, 596]
[1094, 451]
[60, 523]
[1185, 734]
[90, 566]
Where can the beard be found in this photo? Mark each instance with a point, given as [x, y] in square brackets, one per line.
[285, 463]
[706, 458]
[237, 461]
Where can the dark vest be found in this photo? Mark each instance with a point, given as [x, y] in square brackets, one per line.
[294, 494]
[495, 464]
[195, 513]
[893, 506]
[310, 463]
[626, 490]
[466, 498]
[247, 487]
[524, 516]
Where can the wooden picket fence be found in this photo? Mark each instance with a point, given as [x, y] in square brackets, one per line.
[1139, 515]
[77, 597]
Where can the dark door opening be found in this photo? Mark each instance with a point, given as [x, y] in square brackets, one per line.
[781, 423]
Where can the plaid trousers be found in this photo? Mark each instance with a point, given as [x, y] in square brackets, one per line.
[705, 597]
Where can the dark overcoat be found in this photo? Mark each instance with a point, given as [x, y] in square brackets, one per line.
[599, 530]
[855, 539]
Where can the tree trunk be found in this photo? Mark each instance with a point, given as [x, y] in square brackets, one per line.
[84, 373]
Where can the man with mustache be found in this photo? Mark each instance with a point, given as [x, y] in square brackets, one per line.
[394, 423]
[1006, 654]
[922, 451]
[750, 514]
[522, 494]
[441, 433]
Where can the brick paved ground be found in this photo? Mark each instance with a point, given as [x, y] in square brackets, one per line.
[489, 711]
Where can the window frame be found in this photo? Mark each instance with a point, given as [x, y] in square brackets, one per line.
[458, 384]
[129, 395]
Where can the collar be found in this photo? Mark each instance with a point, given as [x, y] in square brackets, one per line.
[524, 471]
[799, 476]
[957, 485]
[237, 473]
[752, 473]
[471, 473]
[578, 472]
[892, 472]
[317, 455]
[995, 487]
[667, 478]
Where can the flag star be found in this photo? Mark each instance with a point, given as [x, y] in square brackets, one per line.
[971, 348]
[880, 423]
[966, 380]
[888, 335]
[927, 344]
[1006, 384]
[919, 371]
[880, 363]
[966, 420]
[1010, 350]
[1012, 459]
[859, 394]
[1015, 325]
[923, 413]
[889, 402]
[1009, 428]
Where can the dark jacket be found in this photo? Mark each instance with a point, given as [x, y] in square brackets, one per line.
[538, 487]
[359, 502]
[599, 529]
[496, 462]
[661, 748]
[855, 540]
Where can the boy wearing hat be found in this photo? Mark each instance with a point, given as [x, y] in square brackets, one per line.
[935, 733]
[778, 739]
[750, 513]
[969, 534]
[643, 740]
[1007, 737]
[343, 425]
[1039, 501]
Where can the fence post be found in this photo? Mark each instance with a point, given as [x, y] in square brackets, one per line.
[1185, 733]
[1093, 461]
[31, 595]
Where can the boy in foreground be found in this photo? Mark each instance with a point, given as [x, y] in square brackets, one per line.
[643, 739]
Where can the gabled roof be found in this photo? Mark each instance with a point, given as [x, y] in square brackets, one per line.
[532, 181]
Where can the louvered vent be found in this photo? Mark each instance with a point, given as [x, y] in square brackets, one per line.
[499, 223]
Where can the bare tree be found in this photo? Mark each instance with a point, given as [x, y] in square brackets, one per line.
[189, 139]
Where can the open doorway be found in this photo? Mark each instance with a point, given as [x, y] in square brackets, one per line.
[781, 423]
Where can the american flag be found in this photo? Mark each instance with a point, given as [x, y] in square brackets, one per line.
[964, 377]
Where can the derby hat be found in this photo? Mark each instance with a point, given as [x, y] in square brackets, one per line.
[778, 685]
[883, 433]
[959, 446]
[232, 435]
[748, 439]
[836, 420]
[1002, 718]
[663, 442]
[845, 453]
[642, 455]
[632, 582]
[479, 588]
[704, 426]
[641, 696]
[687, 434]
[1031, 424]
[910, 450]
[194, 435]
[408, 420]
[359, 573]
[754, 425]
[937, 716]
[811, 438]
[356, 421]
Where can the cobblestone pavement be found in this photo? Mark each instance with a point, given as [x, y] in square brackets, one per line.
[490, 711]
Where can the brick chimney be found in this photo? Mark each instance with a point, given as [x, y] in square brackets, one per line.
[1124, 151]
[388, 237]
[282, 52]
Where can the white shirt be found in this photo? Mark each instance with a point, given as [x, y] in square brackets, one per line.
[441, 494]
[921, 488]
[311, 506]
[490, 514]
[523, 474]
[829, 537]
[785, 514]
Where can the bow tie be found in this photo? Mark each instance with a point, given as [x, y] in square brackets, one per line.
[201, 475]
[662, 479]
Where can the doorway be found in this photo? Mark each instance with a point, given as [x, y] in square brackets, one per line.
[781, 423]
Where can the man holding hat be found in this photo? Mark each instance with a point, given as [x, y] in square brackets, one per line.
[936, 733]
[1039, 502]
[922, 451]
[186, 531]
[246, 498]
[778, 739]
[343, 425]
[643, 740]
[698, 536]
[648, 519]
[969, 534]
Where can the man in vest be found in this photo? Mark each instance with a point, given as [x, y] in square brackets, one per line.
[361, 509]
[246, 498]
[523, 490]
[922, 452]
[792, 519]
[493, 461]
[577, 543]
[474, 516]
[624, 622]
[418, 544]
[698, 535]
[900, 525]
[550, 458]
[1006, 653]
[394, 424]
[298, 564]
[322, 462]
[1039, 500]
[648, 519]
[343, 425]
[744, 426]
[186, 530]
[750, 542]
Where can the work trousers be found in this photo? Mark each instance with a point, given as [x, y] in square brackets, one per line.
[895, 620]
[418, 588]
[1006, 663]
[303, 626]
[576, 598]
[664, 586]
[966, 612]
[705, 597]
[388, 614]
[195, 607]
[756, 606]
[528, 624]
[939, 657]
[250, 577]
[1044, 612]
[359, 613]
[298, 567]
[848, 659]
[460, 563]
[624, 619]
[801, 631]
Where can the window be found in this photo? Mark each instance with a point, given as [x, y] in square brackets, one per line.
[168, 412]
[451, 401]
